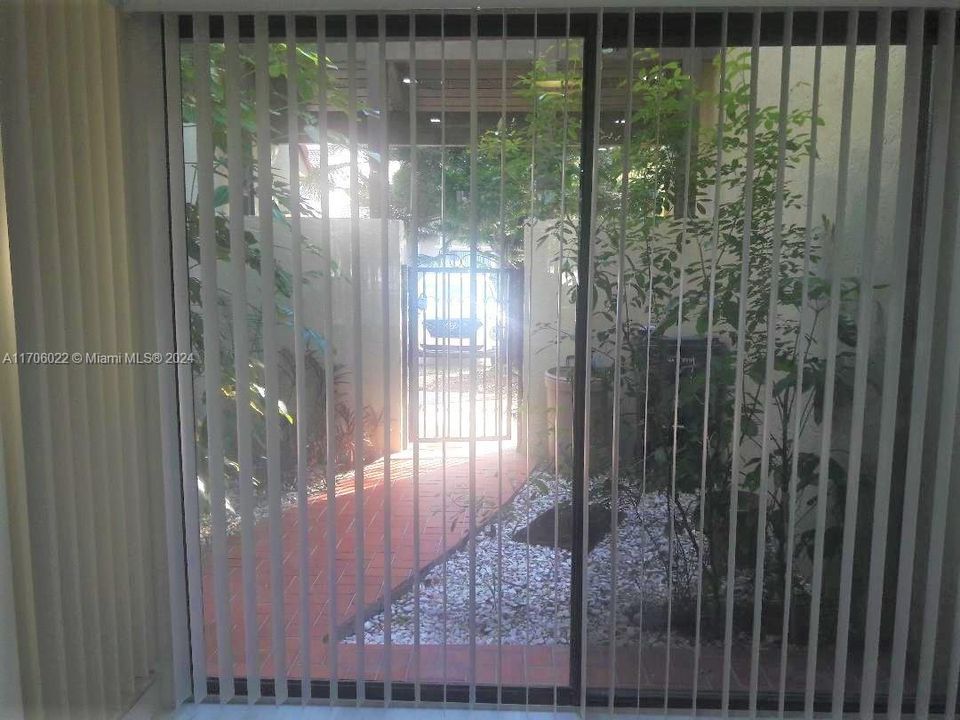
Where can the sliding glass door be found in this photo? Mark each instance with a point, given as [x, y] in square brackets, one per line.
[563, 358]
[760, 501]
[381, 259]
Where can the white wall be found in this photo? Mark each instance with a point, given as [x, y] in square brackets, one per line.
[546, 301]
[344, 311]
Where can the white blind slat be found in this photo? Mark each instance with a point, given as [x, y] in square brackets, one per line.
[472, 454]
[413, 410]
[299, 352]
[158, 266]
[621, 310]
[501, 423]
[37, 414]
[188, 459]
[708, 363]
[216, 478]
[241, 354]
[768, 373]
[385, 275]
[648, 301]
[357, 344]
[530, 242]
[112, 447]
[681, 281]
[124, 442]
[831, 363]
[738, 377]
[173, 669]
[584, 519]
[268, 265]
[558, 340]
[801, 330]
[63, 293]
[82, 328]
[330, 470]
[445, 398]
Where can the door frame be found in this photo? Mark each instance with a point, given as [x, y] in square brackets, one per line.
[583, 26]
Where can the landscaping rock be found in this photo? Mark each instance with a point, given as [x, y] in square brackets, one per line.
[545, 530]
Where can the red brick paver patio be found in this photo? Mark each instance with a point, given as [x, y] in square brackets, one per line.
[516, 665]
[436, 538]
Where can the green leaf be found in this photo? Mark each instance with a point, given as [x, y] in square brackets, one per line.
[221, 196]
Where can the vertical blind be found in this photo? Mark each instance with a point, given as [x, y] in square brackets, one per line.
[80, 467]
[700, 266]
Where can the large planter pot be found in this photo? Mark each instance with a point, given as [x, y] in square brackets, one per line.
[559, 385]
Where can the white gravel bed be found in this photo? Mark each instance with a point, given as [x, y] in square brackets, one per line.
[534, 581]
[525, 598]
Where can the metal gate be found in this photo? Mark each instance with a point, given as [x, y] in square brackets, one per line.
[449, 340]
